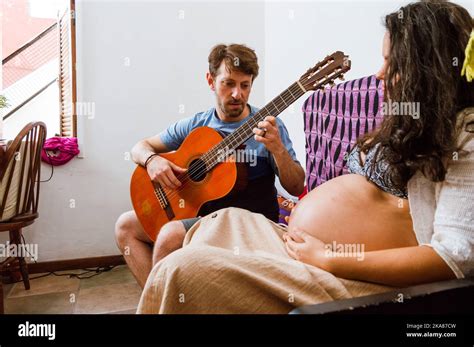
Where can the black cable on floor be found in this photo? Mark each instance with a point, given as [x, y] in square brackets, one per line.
[52, 169]
[98, 270]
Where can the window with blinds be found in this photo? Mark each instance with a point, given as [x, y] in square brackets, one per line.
[67, 72]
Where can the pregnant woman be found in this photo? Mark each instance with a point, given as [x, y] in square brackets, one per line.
[404, 214]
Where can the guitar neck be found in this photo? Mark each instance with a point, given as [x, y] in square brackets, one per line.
[245, 131]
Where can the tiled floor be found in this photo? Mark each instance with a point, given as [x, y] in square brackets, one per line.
[115, 291]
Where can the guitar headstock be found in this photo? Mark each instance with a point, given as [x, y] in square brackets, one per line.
[326, 71]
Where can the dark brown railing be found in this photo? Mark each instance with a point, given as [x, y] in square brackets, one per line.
[29, 99]
[35, 53]
[29, 43]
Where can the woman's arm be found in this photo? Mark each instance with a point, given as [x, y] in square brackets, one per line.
[397, 267]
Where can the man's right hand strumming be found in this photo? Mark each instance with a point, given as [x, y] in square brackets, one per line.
[161, 170]
[164, 172]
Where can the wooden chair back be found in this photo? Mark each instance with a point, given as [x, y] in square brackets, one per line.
[20, 174]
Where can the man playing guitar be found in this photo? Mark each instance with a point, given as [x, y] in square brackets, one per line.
[232, 70]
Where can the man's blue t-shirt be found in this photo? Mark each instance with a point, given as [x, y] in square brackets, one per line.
[259, 160]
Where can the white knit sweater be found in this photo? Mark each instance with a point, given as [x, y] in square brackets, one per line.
[443, 212]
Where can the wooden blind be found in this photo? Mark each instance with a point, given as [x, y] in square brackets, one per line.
[67, 72]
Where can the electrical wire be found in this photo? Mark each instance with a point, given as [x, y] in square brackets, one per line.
[96, 271]
[52, 169]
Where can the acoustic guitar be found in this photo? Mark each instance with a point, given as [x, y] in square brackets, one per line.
[210, 174]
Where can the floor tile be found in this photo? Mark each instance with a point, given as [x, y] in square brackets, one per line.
[51, 303]
[44, 285]
[114, 292]
[108, 298]
[6, 289]
[119, 274]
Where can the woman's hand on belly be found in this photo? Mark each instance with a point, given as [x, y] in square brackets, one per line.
[306, 248]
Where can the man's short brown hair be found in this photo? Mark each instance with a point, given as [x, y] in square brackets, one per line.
[236, 57]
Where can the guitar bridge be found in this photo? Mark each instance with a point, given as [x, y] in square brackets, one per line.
[163, 199]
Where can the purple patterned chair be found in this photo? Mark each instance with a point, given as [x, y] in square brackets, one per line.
[334, 119]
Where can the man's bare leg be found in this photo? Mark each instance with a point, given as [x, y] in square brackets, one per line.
[135, 246]
[169, 239]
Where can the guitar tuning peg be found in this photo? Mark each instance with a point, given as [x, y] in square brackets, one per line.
[342, 78]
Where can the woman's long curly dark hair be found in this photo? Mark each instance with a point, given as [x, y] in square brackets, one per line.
[427, 43]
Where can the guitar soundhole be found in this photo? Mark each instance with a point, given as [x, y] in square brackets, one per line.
[197, 170]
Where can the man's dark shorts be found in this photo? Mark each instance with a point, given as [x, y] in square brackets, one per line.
[189, 222]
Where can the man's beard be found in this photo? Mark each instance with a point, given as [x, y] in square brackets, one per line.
[230, 111]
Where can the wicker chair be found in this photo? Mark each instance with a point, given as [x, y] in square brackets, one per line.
[19, 191]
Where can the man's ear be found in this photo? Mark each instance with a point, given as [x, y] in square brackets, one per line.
[210, 81]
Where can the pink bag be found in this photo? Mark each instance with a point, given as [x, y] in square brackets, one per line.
[59, 150]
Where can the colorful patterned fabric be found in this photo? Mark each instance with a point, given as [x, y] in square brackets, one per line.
[378, 175]
[334, 119]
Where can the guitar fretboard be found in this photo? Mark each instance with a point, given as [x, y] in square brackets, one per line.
[274, 108]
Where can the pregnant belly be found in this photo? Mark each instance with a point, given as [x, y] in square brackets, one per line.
[350, 210]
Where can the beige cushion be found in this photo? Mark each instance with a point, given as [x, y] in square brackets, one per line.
[10, 207]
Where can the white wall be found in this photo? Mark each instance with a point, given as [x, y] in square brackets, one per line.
[137, 62]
